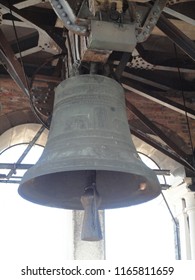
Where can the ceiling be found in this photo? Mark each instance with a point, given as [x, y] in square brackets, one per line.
[43, 42]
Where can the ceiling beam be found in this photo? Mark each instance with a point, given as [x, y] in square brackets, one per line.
[28, 3]
[12, 65]
[157, 131]
[163, 149]
[179, 16]
[145, 81]
[44, 35]
[178, 37]
[140, 90]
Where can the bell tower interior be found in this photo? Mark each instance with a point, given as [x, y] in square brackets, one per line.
[99, 89]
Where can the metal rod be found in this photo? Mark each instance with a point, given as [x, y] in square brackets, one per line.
[174, 220]
[15, 166]
[33, 141]
[156, 130]
[165, 150]
[168, 103]
[176, 226]
[162, 172]
[122, 64]
[10, 181]
[179, 16]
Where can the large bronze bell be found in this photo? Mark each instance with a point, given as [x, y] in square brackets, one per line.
[89, 144]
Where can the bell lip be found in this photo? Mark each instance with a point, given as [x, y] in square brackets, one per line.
[116, 205]
[138, 198]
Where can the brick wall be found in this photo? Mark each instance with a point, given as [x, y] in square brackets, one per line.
[168, 120]
[11, 97]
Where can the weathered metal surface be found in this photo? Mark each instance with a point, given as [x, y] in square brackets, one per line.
[89, 131]
[70, 20]
[122, 39]
[144, 31]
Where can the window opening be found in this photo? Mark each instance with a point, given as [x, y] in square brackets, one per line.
[13, 153]
[153, 165]
[143, 231]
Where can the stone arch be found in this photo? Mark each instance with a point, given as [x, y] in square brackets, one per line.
[22, 134]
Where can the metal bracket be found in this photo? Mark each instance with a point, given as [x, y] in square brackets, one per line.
[51, 46]
[66, 14]
[150, 21]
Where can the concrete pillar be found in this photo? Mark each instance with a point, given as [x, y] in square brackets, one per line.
[184, 236]
[190, 210]
[87, 250]
[183, 201]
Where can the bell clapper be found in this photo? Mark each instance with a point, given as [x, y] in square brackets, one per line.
[91, 229]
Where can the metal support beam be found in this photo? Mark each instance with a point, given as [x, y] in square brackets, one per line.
[157, 131]
[34, 140]
[27, 3]
[12, 65]
[44, 36]
[128, 85]
[122, 64]
[179, 15]
[165, 150]
[151, 20]
[15, 166]
[145, 81]
[178, 37]
[10, 181]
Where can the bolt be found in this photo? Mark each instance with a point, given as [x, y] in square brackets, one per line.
[155, 13]
[152, 20]
[83, 29]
